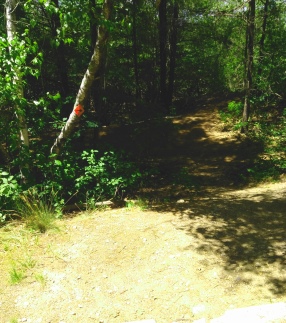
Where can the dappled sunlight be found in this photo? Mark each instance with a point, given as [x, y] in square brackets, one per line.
[246, 228]
[204, 184]
[212, 242]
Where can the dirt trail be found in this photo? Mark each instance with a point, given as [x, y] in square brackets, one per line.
[212, 246]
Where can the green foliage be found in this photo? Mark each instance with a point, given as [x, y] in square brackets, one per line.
[264, 170]
[137, 204]
[210, 59]
[273, 137]
[18, 59]
[16, 276]
[106, 176]
[40, 278]
[89, 178]
[14, 320]
[57, 177]
[232, 116]
[9, 193]
[235, 109]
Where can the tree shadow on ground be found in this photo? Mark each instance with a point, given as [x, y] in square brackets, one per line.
[246, 228]
[207, 171]
[184, 153]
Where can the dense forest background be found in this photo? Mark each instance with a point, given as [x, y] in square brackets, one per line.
[150, 59]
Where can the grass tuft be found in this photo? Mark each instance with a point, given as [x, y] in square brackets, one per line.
[38, 214]
[16, 276]
[137, 204]
[40, 278]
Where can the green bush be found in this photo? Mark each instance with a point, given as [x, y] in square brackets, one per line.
[106, 176]
[264, 170]
[89, 177]
[233, 114]
[9, 193]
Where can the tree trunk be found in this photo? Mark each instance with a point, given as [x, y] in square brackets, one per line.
[135, 47]
[97, 112]
[263, 35]
[249, 63]
[173, 51]
[95, 92]
[93, 72]
[11, 6]
[60, 60]
[163, 52]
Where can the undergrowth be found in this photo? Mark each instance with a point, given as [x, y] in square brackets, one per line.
[88, 178]
[38, 214]
[270, 132]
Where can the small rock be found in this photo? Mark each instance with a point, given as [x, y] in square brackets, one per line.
[199, 309]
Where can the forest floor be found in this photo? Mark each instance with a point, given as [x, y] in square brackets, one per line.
[202, 242]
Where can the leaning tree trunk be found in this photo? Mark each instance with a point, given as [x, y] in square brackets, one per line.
[93, 72]
[249, 63]
[11, 6]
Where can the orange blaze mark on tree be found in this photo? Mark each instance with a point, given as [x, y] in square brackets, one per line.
[79, 110]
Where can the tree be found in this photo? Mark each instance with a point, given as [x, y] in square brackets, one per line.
[60, 57]
[249, 51]
[18, 91]
[11, 6]
[263, 36]
[93, 71]
[173, 51]
[135, 46]
[163, 32]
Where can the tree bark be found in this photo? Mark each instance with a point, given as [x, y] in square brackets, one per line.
[60, 60]
[135, 48]
[249, 63]
[11, 6]
[173, 51]
[96, 109]
[93, 72]
[263, 36]
[163, 52]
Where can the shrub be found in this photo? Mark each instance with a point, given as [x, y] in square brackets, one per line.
[9, 193]
[232, 116]
[107, 176]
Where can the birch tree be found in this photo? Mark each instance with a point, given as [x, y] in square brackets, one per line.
[94, 71]
[10, 7]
